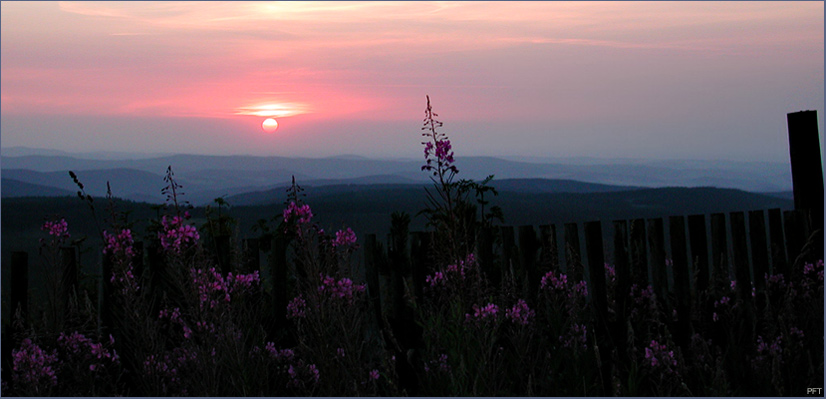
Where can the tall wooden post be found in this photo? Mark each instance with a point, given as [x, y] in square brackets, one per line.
[807, 166]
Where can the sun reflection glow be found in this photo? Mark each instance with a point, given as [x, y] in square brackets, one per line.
[274, 110]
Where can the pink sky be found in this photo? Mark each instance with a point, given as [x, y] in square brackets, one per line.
[649, 79]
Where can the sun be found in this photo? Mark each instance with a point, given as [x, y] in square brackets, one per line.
[270, 125]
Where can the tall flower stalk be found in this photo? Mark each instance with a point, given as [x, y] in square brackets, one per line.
[450, 210]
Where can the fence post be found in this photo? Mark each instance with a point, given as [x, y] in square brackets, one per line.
[420, 262]
[719, 247]
[156, 268]
[68, 258]
[400, 262]
[19, 291]
[741, 269]
[371, 260]
[19, 296]
[222, 253]
[807, 167]
[759, 249]
[778, 248]
[679, 257]
[485, 251]
[528, 247]
[656, 243]
[252, 254]
[622, 267]
[510, 253]
[278, 270]
[573, 259]
[548, 252]
[137, 261]
[622, 290]
[105, 316]
[699, 249]
[639, 256]
[596, 267]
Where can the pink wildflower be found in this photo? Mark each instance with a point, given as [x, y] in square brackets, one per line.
[345, 238]
[520, 313]
[177, 237]
[302, 214]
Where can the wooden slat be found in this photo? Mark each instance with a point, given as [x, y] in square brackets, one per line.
[794, 227]
[420, 262]
[719, 247]
[510, 253]
[597, 290]
[622, 266]
[137, 261]
[278, 271]
[371, 259]
[19, 289]
[573, 259]
[222, 254]
[485, 252]
[740, 252]
[699, 249]
[682, 277]
[548, 251]
[779, 264]
[105, 309]
[69, 278]
[252, 255]
[639, 256]
[759, 249]
[656, 245]
[528, 247]
[596, 265]
[741, 269]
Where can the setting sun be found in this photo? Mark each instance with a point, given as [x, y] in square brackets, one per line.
[270, 125]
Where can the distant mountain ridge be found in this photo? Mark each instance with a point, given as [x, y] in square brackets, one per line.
[16, 188]
[206, 176]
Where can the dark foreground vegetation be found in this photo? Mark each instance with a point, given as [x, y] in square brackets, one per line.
[433, 314]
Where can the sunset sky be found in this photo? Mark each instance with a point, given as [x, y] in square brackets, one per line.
[662, 80]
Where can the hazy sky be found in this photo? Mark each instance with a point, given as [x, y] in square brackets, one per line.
[698, 80]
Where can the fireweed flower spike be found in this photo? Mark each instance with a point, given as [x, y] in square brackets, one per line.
[345, 238]
[301, 214]
[32, 366]
[176, 237]
[57, 228]
[520, 313]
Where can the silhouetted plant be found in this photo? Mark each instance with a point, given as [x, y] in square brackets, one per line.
[449, 208]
